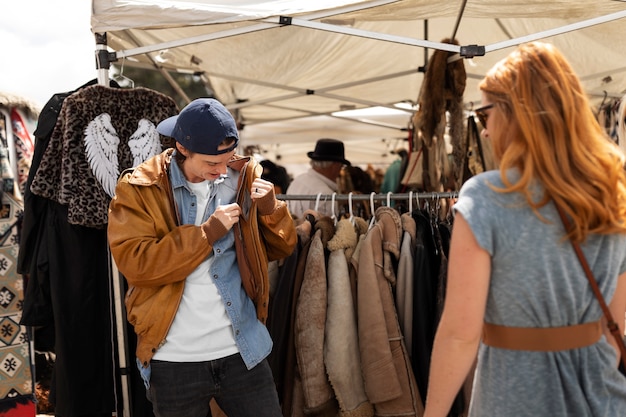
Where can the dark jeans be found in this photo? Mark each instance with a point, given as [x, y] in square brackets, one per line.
[185, 389]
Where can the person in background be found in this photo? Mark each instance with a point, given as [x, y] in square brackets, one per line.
[395, 171]
[326, 162]
[275, 174]
[512, 264]
[192, 230]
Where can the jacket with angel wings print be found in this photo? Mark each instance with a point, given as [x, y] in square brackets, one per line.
[100, 132]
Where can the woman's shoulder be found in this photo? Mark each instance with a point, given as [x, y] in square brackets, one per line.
[482, 182]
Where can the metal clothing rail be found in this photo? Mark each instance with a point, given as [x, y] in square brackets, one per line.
[373, 196]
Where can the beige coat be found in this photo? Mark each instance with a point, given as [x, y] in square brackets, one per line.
[389, 380]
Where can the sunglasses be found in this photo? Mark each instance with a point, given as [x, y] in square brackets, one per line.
[482, 115]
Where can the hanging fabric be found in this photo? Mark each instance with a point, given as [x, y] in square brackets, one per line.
[441, 111]
[16, 379]
[94, 133]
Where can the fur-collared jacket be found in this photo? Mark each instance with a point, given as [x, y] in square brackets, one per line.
[155, 253]
[389, 380]
[341, 345]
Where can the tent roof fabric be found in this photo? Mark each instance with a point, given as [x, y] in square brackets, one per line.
[284, 78]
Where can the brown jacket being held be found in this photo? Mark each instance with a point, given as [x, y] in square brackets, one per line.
[155, 253]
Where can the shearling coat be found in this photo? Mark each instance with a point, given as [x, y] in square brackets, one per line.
[310, 322]
[389, 380]
[341, 349]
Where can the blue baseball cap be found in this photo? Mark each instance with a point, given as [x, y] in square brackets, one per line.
[201, 127]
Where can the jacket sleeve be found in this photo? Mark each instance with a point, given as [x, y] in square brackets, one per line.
[148, 246]
[279, 232]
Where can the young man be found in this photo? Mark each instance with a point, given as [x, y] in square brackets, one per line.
[192, 231]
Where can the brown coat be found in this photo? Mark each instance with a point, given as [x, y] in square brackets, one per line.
[156, 254]
[389, 380]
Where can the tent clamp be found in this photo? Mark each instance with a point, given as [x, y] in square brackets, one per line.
[104, 59]
[310, 92]
[470, 51]
[103, 56]
[285, 20]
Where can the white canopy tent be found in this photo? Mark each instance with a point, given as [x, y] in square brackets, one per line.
[286, 67]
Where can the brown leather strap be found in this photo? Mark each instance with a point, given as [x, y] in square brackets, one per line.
[612, 325]
[547, 339]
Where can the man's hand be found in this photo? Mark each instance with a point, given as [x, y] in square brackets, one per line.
[228, 214]
[260, 188]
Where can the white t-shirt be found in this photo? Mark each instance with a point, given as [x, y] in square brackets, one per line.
[201, 330]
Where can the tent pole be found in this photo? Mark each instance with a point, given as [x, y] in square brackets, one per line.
[269, 24]
[557, 31]
[119, 316]
[458, 20]
[102, 59]
[323, 92]
[163, 72]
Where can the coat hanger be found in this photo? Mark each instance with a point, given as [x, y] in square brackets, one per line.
[123, 80]
[317, 201]
[333, 216]
[373, 219]
[350, 208]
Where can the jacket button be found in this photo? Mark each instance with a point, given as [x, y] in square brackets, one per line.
[229, 304]
[153, 350]
[219, 251]
[145, 364]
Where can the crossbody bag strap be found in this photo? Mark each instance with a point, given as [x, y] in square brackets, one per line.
[613, 327]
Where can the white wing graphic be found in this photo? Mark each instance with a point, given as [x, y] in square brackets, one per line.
[101, 141]
[145, 142]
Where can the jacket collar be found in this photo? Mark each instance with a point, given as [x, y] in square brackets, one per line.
[154, 169]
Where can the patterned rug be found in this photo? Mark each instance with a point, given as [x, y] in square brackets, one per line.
[16, 380]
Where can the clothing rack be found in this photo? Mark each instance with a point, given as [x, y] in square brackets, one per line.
[372, 197]
[420, 197]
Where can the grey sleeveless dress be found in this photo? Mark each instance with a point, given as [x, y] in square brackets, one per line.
[537, 281]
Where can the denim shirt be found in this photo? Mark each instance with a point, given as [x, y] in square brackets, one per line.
[252, 337]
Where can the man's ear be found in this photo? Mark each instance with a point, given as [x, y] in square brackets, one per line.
[182, 149]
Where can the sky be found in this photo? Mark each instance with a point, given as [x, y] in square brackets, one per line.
[46, 47]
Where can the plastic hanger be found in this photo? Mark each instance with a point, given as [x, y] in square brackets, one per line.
[373, 209]
[123, 80]
[350, 208]
[317, 201]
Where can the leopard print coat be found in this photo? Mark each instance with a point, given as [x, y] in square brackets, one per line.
[100, 132]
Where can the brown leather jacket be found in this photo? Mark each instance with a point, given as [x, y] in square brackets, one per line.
[155, 254]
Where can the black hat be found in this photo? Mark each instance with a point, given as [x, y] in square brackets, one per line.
[329, 150]
[201, 127]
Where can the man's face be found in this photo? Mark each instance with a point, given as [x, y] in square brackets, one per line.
[199, 167]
